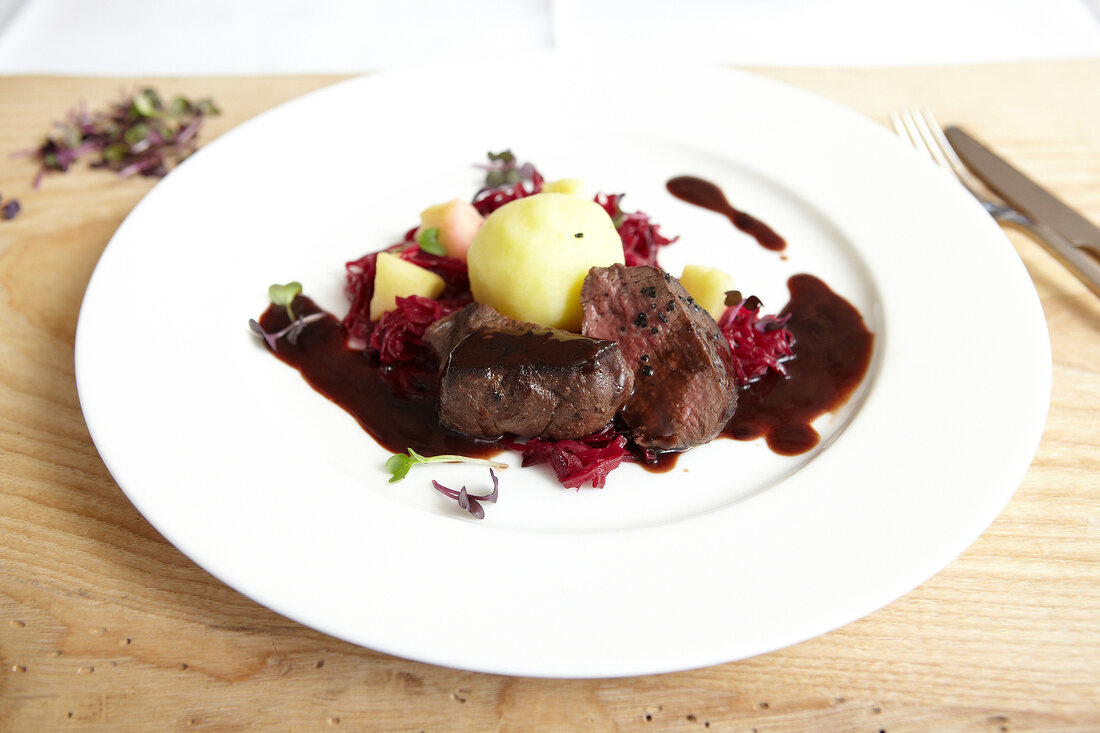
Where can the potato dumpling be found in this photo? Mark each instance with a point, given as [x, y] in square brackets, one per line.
[708, 285]
[530, 257]
[394, 278]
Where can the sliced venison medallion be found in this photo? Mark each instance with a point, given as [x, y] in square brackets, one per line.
[684, 391]
[504, 376]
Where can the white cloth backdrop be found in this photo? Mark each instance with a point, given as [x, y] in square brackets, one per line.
[187, 37]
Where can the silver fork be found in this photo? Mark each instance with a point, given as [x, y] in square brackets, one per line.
[919, 128]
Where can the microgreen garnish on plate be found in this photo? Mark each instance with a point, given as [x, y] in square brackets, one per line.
[466, 502]
[428, 241]
[284, 295]
[290, 333]
[399, 463]
[503, 169]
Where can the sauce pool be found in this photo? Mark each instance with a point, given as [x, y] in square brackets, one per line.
[832, 352]
[399, 415]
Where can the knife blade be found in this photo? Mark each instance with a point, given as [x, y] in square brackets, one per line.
[1022, 193]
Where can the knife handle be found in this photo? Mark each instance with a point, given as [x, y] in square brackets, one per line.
[1075, 259]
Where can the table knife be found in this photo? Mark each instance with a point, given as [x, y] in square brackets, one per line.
[1065, 232]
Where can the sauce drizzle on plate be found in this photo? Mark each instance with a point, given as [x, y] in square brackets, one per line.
[703, 193]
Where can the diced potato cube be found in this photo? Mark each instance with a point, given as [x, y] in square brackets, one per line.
[571, 186]
[457, 222]
[395, 277]
[708, 285]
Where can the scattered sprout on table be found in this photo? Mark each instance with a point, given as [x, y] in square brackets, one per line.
[141, 134]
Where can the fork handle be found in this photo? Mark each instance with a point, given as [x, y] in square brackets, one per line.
[1076, 260]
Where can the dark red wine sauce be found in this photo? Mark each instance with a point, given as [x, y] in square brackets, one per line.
[707, 195]
[832, 352]
[832, 347]
[397, 418]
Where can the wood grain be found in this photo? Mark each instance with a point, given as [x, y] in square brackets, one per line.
[105, 626]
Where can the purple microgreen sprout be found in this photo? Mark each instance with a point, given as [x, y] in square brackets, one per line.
[136, 135]
[291, 332]
[428, 241]
[769, 323]
[9, 210]
[284, 295]
[146, 103]
[468, 503]
[503, 169]
[399, 464]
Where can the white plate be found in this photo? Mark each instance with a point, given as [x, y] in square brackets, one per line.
[277, 492]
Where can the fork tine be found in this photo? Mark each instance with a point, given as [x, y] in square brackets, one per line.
[899, 128]
[911, 125]
[925, 133]
[934, 139]
[902, 126]
[950, 156]
[920, 128]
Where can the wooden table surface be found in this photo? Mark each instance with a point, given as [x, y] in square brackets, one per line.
[106, 626]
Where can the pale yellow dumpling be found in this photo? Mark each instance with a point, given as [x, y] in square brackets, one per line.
[530, 257]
